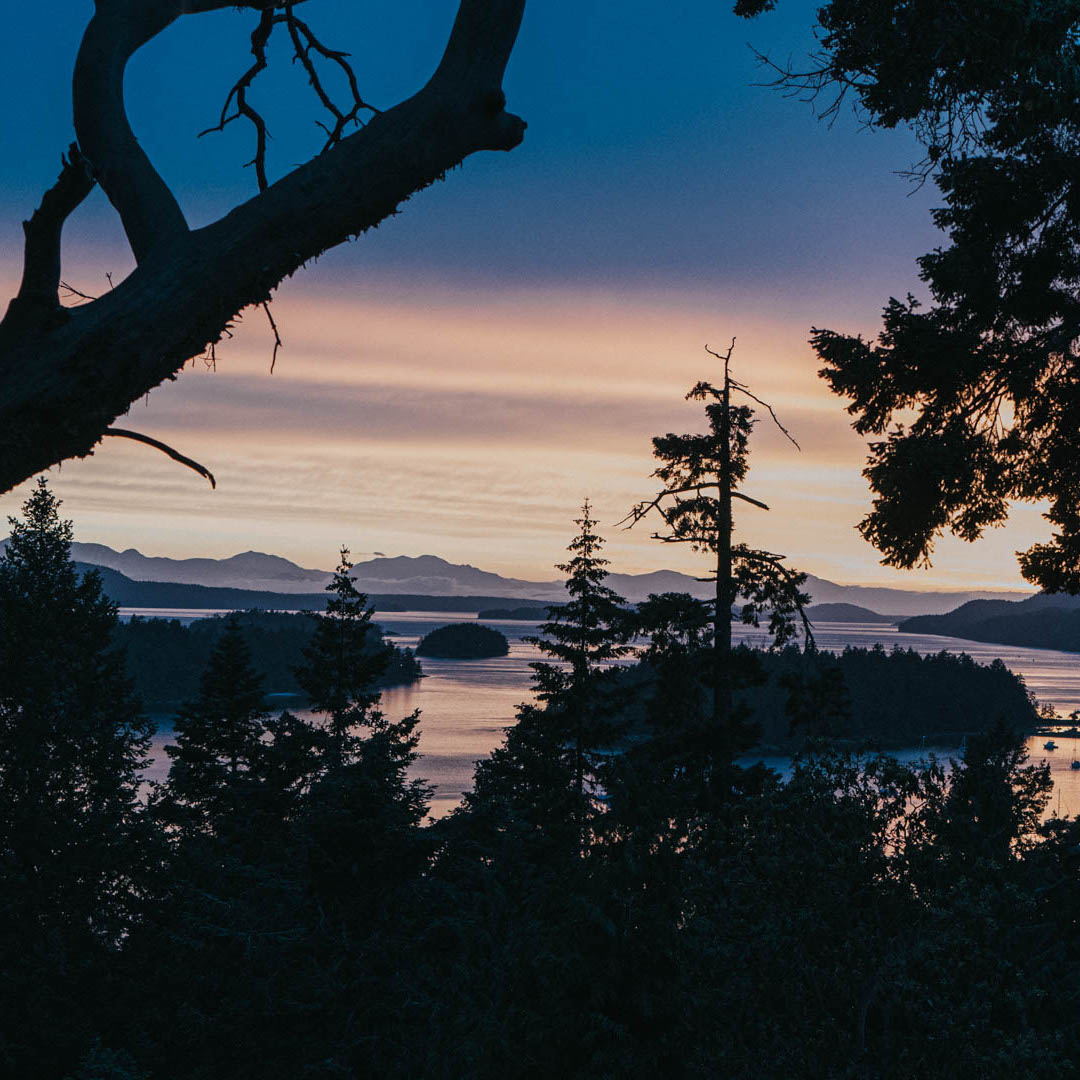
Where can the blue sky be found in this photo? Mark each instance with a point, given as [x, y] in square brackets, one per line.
[513, 338]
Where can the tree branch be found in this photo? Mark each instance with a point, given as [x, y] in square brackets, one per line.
[191, 463]
[38, 298]
[62, 386]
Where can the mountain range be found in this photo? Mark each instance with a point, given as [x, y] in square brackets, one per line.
[428, 575]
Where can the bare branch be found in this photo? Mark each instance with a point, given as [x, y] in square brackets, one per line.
[641, 509]
[764, 404]
[304, 41]
[277, 336]
[165, 449]
[259, 37]
[37, 298]
[149, 212]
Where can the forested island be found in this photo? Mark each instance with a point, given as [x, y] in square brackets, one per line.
[165, 659]
[890, 698]
[463, 641]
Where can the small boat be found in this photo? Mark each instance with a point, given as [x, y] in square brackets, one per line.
[1050, 745]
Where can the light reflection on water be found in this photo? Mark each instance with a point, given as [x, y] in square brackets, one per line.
[466, 704]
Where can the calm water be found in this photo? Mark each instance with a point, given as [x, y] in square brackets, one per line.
[466, 704]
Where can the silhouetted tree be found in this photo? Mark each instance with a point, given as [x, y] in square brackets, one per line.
[362, 815]
[582, 637]
[972, 399]
[76, 850]
[701, 475]
[219, 747]
[343, 662]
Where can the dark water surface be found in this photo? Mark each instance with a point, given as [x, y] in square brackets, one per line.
[466, 704]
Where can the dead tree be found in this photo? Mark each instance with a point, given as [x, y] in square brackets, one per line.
[701, 474]
[66, 373]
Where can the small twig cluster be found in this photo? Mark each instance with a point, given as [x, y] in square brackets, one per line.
[304, 43]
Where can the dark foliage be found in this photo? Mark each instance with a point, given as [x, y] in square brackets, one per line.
[973, 398]
[165, 659]
[463, 641]
[76, 853]
[585, 914]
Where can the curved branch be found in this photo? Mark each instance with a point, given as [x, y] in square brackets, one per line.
[157, 444]
[149, 212]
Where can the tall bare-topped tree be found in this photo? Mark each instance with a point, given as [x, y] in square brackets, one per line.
[701, 475]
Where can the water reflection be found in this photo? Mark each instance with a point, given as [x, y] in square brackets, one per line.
[466, 704]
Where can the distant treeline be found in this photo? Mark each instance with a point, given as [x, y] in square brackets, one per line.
[127, 592]
[166, 659]
[893, 699]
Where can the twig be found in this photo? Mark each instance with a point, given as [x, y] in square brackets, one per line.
[121, 433]
[277, 336]
[259, 37]
[72, 291]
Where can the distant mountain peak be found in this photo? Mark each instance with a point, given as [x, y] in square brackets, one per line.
[433, 575]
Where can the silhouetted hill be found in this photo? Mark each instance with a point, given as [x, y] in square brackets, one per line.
[429, 575]
[175, 595]
[1043, 621]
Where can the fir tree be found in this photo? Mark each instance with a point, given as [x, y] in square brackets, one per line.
[76, 850]
[219, 753]
[582, 637]
[361, 818]
[343, 663]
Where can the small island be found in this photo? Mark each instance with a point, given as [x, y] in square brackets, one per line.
[463, 641]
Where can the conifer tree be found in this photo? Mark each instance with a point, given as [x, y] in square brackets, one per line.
[343, 663]
[219, 752]
[362, 816]
[701, 476]
[582, 637]
[76, 850]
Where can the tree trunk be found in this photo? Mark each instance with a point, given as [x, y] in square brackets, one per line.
[722, 688]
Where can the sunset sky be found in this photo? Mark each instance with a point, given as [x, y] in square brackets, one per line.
[456, 382]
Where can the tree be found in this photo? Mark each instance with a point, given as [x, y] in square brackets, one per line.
[537, 784]
[701, 475]
[973, 399]
[343, 662]
[362, 814]
[86, 365]
[76, 852]
[219, 746]
[582, 636]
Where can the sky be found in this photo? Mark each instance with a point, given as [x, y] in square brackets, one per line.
[459, 379]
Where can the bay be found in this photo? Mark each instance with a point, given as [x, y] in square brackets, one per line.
[467, 704]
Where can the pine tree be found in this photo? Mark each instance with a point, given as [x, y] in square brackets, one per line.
[76, 850]
[219, 755]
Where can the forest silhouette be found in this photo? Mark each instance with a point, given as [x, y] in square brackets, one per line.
[619, 895]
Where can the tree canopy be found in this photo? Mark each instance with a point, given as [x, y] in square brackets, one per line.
[973, 397]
